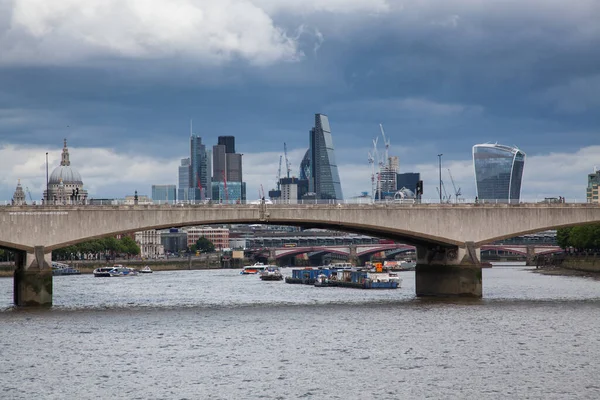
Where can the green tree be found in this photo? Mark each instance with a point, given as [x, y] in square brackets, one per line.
[563, 237]
[129, 246]
[204, 245]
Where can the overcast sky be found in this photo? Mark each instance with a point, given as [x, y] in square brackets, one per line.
[121, 79]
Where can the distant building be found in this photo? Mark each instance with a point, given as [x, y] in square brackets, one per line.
[228, 142]
[388, 176]
[164, 193]
[174, 241]
[183, 193]
[218, 236]
[65, 184]
[592, 187]
[235, 192]
[18, 198]
[199, 176]
[498, 172]
[141, 200]
[324, 177]
[150, 244]
[408, 180]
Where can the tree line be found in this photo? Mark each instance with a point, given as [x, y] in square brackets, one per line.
[108, 246]
[581, 238]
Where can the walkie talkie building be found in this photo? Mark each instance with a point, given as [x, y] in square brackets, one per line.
[498, 172]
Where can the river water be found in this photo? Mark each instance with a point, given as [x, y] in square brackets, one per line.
[220, 335]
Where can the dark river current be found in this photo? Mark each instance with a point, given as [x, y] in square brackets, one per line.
[220, 335]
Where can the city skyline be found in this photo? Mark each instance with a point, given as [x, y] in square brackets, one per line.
[441, 76]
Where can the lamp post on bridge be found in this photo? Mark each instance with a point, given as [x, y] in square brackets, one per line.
[440, 190]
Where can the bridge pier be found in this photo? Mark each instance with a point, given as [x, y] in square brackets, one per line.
[530, 255]
[448, 272]
[33, 278]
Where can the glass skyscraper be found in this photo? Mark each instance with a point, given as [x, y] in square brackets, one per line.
[498, 172]
[164, 193]
[199, 176]
[324, 176]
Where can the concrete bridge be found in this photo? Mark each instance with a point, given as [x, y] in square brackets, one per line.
[448, 237]
[361, 250]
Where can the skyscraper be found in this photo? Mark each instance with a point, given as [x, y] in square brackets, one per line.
[227, 167]
[199, 179]
[184, 180]
[228, 142]
[498, 172]
[324, 176]
[164, 193]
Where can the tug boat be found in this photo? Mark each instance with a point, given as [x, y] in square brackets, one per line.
[271, 273]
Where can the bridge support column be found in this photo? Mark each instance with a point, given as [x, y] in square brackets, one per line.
[448, 272]
[272, 260]
[530, 255]
[33, 278]
[352, 257]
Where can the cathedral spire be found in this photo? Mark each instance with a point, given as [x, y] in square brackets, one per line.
[65, 155]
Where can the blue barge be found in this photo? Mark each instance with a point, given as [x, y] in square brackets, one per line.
[307, 276]
[360, 279]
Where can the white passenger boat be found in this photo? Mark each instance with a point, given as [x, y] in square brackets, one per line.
[253, 269]
[146, 270]
[271, 273]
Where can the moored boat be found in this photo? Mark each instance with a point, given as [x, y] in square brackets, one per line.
[361, 279]
[145, 270]
[63, 269]
[271, 273]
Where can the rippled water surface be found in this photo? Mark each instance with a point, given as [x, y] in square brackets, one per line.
[220, 335]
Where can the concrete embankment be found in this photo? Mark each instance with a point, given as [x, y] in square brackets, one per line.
[586, 265]
[87, 267]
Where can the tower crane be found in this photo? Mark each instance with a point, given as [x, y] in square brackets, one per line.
[29, 194]
[288, 166]
[386, 142]
[456, 191]
[279, 173]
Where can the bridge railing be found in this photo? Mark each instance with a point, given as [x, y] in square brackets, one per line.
[366, 201]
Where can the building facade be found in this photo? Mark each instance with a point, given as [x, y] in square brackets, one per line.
[65, 185]
[498, 172]
[150, 244]
[164, 193]
[18, 198]
[183, 193]
[218, 236]
[324, 176]
[592, 187]
[408, 180]
[174, 241]
[232, 193]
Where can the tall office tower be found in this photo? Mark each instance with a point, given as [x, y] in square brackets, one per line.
[184, 180]
[164, 193]
[324, 174]
[227, 167]
[498, 172]
[199, 179]
[592, 187]
[228, 142]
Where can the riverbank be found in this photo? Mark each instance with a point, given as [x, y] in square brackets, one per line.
[587, 266]
[87, 267]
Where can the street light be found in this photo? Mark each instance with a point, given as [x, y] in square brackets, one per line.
[46, 200]
[440, 159]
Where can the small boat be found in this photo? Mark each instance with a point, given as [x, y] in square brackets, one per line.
[145, 270]
[63, 269]
[271, 273]
[253, 269]
[408, 265]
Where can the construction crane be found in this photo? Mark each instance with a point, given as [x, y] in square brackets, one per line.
[373, 159]
[386, 142]
[279, 174]
[456, 191]
[288, 166]
[445, 196]
[29, 194]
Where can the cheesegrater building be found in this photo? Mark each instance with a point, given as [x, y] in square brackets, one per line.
[324, 178]
[498, 172]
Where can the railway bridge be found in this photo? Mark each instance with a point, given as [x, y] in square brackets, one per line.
[448, 237]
